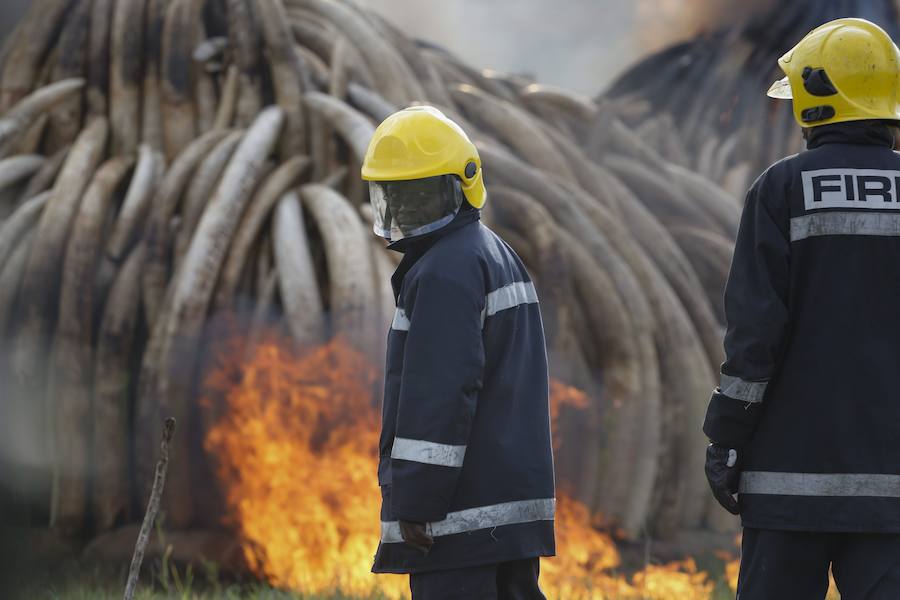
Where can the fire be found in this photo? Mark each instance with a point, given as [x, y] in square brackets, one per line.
[296, 446]
[732, 568]
[296, 450]
[585, 566]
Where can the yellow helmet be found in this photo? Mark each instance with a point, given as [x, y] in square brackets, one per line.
[421, 142]
[845, 70]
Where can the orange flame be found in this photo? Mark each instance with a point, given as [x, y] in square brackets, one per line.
[296, 449]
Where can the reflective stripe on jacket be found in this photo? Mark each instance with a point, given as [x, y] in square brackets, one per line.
[465, 444]
[809, 385]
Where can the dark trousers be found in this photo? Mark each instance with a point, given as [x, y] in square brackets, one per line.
[788, 565]
[516, 580]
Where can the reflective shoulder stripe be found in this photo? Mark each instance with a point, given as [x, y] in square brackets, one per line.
[429, 453]
[482, 517]
[872, 485]
[509, 296]
[845, 223]
[401, 321]
[739, 389]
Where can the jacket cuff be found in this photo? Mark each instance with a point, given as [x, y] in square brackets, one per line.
[416, 514]
[421, 492]
[730, 422]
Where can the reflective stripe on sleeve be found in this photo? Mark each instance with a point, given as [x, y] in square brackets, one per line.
[429, 453]
[739, 389]
[845, 223]
[401, 321]
[509, 296]
[873, 485]
[482, 517]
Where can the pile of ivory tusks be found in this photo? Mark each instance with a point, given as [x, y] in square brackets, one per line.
[171, 167]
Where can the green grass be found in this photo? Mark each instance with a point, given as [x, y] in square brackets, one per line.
[87, 592]
[75, 582]
[163, 581]
[258, 592]
[226, 593]
[90, 587]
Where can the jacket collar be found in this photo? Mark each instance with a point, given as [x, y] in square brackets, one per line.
[871, 133]
[415, 248]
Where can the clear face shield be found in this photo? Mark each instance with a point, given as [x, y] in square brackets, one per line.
[405, 209]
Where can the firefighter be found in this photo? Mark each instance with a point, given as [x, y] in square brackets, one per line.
[466, 469]
[805, 422]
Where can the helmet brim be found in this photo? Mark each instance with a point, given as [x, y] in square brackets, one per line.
[781, 90]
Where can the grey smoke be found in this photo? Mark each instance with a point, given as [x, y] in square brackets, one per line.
[664, 22]
[578, 44]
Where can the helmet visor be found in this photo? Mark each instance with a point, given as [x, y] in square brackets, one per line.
[405, 209]
[781, 90]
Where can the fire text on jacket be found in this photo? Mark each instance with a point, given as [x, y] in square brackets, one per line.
[851, 188]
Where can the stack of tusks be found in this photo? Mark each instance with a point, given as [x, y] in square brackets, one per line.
[171, 168]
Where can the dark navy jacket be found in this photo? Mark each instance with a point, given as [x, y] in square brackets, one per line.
[465, 442]
[810, 389]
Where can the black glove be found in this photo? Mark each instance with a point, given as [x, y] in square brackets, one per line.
[416, 536]
[723, 475]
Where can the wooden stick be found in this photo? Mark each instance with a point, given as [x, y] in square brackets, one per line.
[159, 482]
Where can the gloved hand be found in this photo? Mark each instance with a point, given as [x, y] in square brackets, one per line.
[723, 475]
[416, 536]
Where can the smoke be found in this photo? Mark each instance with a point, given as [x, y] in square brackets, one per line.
[578, 44]
[662, 23]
